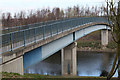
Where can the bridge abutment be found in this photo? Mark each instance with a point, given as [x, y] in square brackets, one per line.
[69, 60]
[104, 37]
[12, 63]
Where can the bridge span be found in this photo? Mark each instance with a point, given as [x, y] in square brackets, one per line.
[24, 48]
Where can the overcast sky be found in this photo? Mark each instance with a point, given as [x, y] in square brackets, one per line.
[17, 5]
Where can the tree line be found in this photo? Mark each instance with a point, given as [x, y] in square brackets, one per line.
[34, 16]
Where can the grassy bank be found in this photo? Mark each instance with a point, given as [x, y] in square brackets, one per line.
[93, 41]
[95, 44]
[89, 78]
[16, 76]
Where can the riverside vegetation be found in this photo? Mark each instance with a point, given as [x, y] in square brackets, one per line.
[95, 44]
[92, 42]
[16, 76]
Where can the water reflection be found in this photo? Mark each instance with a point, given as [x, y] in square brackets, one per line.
[45, 68]
[88, 64]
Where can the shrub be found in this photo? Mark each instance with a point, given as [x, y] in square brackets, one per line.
[95, 44]
[111, 45]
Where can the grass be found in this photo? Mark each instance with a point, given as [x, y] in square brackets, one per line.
[95, 44]
[92, 44]
[16, 76]
[111, 45]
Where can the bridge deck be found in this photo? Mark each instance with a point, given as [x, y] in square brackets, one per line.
[20, 38]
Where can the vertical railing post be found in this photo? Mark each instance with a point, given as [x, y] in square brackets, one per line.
[51, 30]
[62, 26]
[57, 28]
[8, 30]
[24, 37]
[43, 32]
[19, 28]
[71, 24]
[66, 26]
[11, 39]
[35, 35]
[77, 22]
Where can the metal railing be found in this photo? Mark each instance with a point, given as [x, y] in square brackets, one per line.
[19, 38]
[22, 27]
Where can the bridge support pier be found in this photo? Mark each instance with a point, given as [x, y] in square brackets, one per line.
[104, 37]
[68, 60]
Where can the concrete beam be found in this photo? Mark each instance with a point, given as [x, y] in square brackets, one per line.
[68, 60]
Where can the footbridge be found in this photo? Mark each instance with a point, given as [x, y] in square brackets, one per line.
[27, 45]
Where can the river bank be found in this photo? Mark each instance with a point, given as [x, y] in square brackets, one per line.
[95, 46]
[92, 42]
[89, 49]
[16, 76]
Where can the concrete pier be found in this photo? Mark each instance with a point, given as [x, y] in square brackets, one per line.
[68, 60]
[104, 37]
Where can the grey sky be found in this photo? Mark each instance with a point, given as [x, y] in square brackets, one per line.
[17, 5]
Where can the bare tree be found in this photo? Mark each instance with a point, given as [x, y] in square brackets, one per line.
[3, 20]
[35, 16]
[62, 13]
[113, 16]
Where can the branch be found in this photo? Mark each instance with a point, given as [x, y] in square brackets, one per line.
[113, 67]
[114, 37]
[108, 78]
[112, 7]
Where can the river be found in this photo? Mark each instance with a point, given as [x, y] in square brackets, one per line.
[88, 64]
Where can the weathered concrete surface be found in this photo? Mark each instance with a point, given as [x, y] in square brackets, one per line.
[15, 66]
[0, 72]
[104, 37]
[68, 60]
